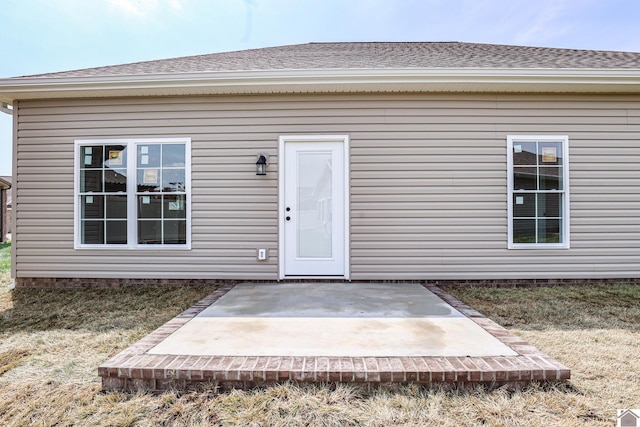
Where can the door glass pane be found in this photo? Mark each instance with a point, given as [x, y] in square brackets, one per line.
[313, 212]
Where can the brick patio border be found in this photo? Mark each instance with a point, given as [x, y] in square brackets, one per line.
[134, 369]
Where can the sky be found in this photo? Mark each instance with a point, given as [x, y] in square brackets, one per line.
[40, 36]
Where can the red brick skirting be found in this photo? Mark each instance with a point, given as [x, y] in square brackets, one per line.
[134, 369]
[86, 283]
[79, 283]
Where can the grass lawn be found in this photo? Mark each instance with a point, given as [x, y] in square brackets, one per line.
[51, 343]
[5, 262]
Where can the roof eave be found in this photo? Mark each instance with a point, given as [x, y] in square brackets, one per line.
[325, 81]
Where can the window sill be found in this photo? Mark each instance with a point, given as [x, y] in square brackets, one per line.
[537, 246]
[135, 248]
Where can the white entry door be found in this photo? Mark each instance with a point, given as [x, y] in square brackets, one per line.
[313, 206]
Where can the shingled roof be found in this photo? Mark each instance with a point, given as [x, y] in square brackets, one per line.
[346, 68]
[374, 55]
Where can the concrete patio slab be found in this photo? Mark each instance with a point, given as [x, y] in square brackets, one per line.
[366, 334]
[331, 319]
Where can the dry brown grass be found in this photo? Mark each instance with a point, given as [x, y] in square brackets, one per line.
[11, 358]
[53, 341]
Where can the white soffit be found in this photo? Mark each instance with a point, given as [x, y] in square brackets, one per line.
[326, 81]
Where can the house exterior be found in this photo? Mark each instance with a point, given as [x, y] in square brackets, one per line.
[384, 161]
[5, 219]
[9, 205]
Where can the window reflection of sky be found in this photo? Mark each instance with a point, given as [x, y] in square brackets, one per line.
[167, 164]
[173, 155]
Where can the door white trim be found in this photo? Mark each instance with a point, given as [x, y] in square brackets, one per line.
[282, 141]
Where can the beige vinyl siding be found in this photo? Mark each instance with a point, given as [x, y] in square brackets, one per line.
[428, 183]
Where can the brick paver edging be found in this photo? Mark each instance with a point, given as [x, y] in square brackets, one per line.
[134, 369]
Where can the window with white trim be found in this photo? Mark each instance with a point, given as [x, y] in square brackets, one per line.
[538, 187]
[133, 193]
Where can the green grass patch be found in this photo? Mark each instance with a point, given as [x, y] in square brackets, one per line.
[5, 264]
[5, 257]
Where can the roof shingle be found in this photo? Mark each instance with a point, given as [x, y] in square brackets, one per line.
[373, 55]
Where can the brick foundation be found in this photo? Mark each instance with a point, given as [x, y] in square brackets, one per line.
[530, 283]
[83, 283]
[80, 283]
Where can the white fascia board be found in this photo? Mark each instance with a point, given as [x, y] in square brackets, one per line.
[341, 80]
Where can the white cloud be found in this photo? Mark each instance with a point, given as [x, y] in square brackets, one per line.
[144, 8]
[134, 7]
[175, 4]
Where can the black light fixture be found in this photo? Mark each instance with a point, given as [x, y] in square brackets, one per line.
[261, 164]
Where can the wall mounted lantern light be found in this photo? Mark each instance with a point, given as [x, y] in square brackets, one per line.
[261, 164]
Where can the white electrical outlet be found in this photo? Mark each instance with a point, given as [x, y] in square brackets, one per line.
[262, 254]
